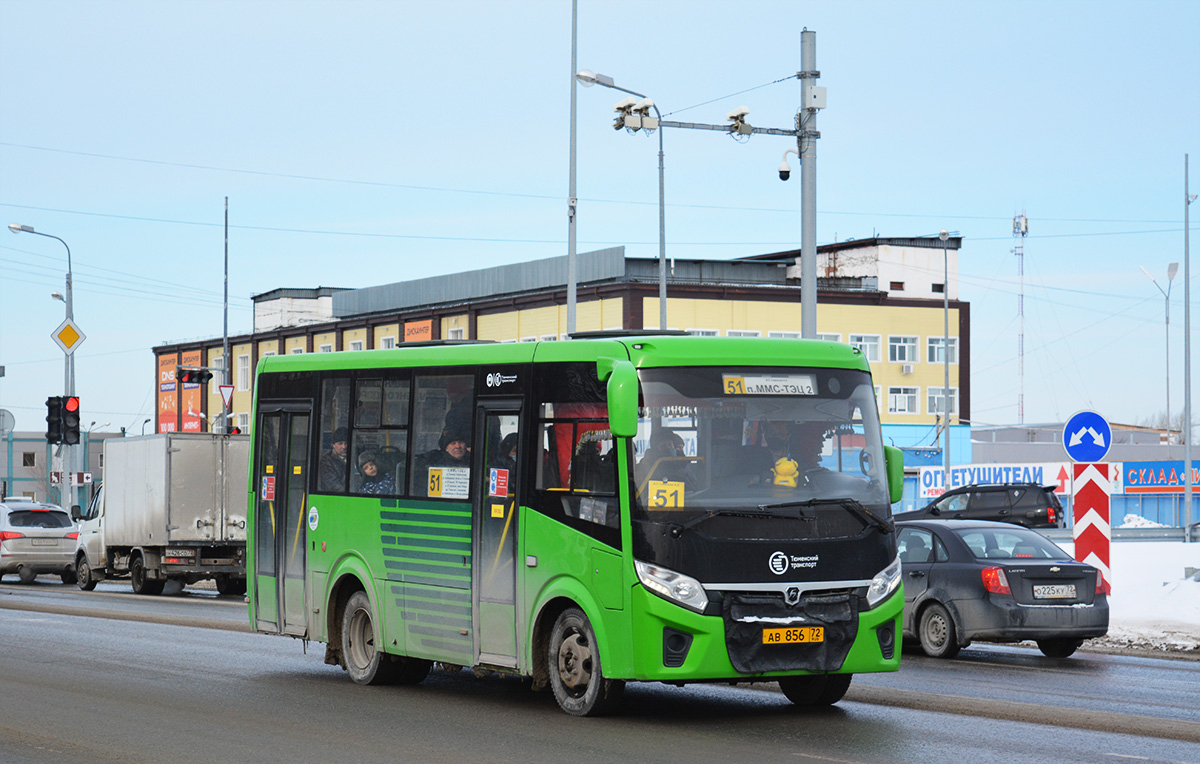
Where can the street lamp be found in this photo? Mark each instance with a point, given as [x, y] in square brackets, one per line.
[69, 358]
[635, 117]
[944, 235]
[144, 423]
[1187, 360]
[1172, 269]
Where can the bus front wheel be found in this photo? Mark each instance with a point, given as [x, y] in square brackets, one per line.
[576, 675]
[363, 662]
[815, 690]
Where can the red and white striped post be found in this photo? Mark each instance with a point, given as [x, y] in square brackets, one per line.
[1090, 511]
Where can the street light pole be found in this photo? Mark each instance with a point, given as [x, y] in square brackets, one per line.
[1172, 269]
[944, 235]
[68, 358]
[1187, 360]
[587, 78]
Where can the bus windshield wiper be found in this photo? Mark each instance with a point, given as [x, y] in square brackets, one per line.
[849, 504]
[676, 528]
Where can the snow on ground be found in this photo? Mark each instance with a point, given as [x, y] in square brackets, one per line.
[1152, 603]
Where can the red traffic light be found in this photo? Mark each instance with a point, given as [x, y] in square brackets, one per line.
[71, 403]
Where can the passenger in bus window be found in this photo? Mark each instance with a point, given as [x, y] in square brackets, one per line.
[455, 451]
[375, 481]
[332, 474]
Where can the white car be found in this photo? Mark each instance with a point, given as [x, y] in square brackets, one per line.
[36, 538]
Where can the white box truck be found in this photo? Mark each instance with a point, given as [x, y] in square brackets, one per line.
[171, 507]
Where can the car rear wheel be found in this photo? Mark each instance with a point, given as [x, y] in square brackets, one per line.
[816, 690]
[83, 574]
[1058, 648]
[139, 579]
[938, 638]
[27, 575]
[68, 576]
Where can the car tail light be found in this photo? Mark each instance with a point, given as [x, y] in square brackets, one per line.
[6, 535]
[1101, 588]
[74, 535]
[1052, 515]
[995, 581]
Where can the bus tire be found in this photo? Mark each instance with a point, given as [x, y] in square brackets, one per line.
[412, 670]
[815, 690]
[362, 661]
[576, 675]
[140, 580]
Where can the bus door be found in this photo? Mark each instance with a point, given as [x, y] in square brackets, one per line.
[495, 532]
[280, 485]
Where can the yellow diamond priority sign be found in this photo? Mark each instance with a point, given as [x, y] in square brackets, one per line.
[68, 336]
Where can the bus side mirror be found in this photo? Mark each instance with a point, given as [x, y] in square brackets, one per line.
[895, 472]
[622, 389]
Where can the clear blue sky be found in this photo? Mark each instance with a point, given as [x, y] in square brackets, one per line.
[369, 142]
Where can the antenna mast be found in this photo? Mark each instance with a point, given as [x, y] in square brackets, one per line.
[1020, 231]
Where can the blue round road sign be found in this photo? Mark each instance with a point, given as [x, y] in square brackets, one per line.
[1087, 437]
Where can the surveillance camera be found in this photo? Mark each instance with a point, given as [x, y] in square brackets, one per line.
[738, 113]
[785, 171]
[625, 104]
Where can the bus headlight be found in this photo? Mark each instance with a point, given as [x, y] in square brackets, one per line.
[672, 586]
[884, 583]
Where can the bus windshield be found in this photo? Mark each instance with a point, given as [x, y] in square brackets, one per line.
[737, 452]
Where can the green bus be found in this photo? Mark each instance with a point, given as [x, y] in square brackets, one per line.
[615, 507]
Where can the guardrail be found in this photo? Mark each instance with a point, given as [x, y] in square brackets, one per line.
[1129, 534]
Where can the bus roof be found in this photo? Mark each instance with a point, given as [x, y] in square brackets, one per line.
[645, 350]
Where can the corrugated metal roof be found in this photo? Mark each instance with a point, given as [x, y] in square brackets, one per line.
[601, 265]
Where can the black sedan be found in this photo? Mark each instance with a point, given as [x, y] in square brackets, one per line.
[967, 580]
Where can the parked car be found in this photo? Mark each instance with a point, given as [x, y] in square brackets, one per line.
[36, 538]
[1028, 504]
[967, 580]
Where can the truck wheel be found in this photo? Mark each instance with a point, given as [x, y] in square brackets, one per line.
[83, 574]
[141, 583]
[227, 584]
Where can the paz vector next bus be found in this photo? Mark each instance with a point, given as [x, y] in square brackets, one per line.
[612, 508]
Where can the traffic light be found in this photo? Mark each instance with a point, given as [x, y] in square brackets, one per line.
[188, 375]
[70, 432]
[54, 419]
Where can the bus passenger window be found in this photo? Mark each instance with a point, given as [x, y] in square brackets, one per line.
[441, 435]
[335, 417]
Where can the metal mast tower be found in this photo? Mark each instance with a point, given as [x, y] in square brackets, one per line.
[1020, 231]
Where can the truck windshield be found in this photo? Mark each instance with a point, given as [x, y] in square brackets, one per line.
[720, 450]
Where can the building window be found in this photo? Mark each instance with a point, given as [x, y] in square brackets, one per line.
[784, 335]
[218, 362]
[936, 345]
[29, 459]
[243, 422]
[325, 349]
[742, 333]
[297, 351]
[387, 343]
[897, 286]
[356, 344]
[243, 372]
[938, 288]
[457, 334]
[829, 337]
[268, 353]
[702, 332]
[902, 349]
[902, 400]
[935, 400]
[868, 345]
[549, 338]
[529, 339]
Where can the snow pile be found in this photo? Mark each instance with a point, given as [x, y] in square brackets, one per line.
[1137, 521]
[1153, 603]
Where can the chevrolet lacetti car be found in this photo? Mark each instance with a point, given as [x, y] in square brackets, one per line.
[967, 580]
[36, 538]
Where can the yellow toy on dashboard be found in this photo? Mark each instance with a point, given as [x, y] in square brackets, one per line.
[785, 471]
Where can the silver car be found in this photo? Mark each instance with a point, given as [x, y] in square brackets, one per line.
[36, 538]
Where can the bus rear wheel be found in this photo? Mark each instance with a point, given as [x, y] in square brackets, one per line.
[576, 676]
[815, 690]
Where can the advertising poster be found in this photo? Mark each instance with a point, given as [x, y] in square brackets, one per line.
[191, 403]
[418, 331]
[168, 396]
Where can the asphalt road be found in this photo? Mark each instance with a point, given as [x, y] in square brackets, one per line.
[81, 688]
